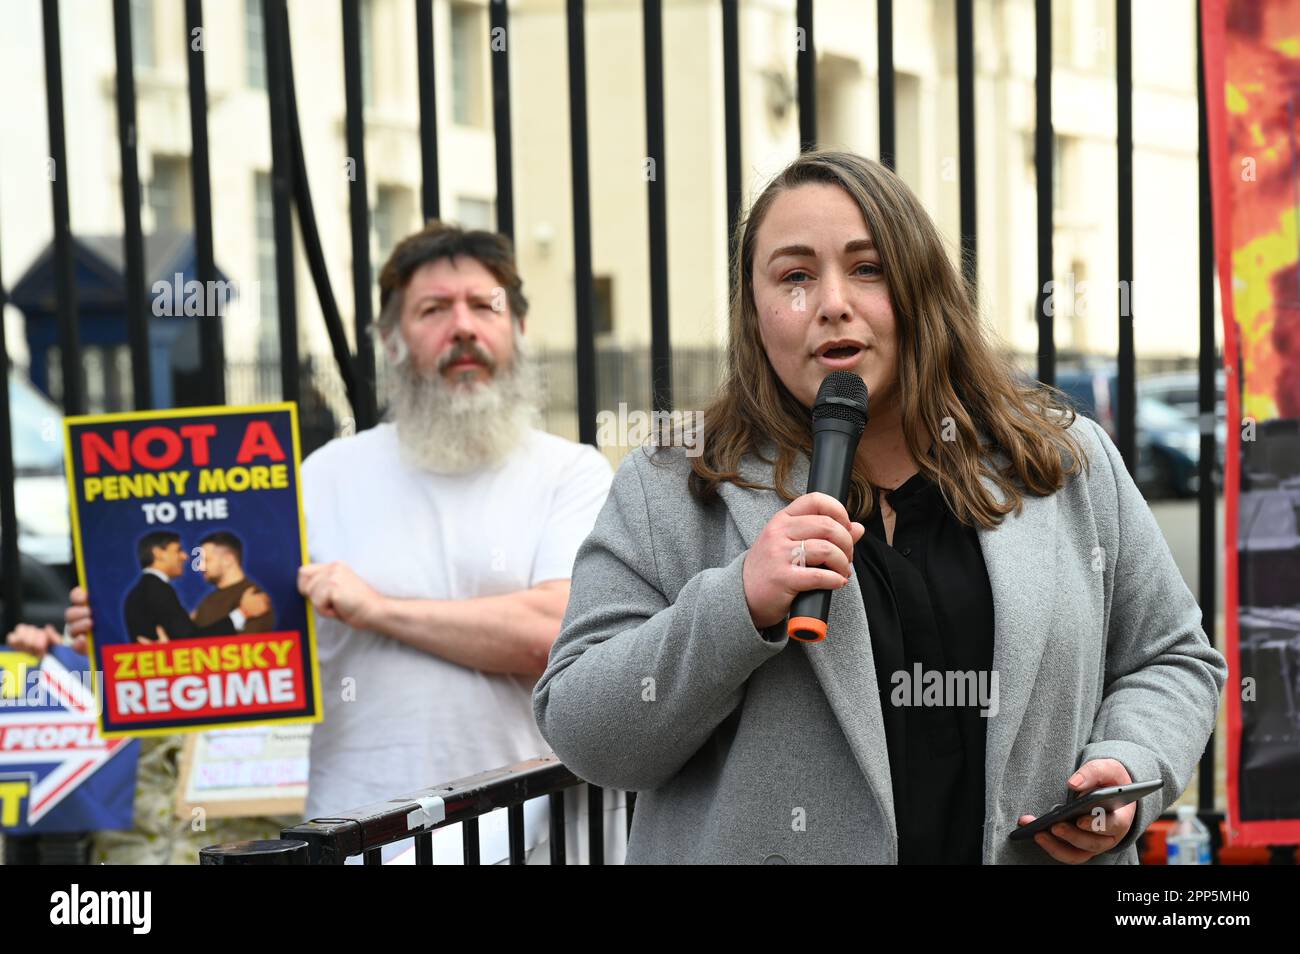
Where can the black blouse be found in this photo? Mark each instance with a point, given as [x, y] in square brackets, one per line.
[929, 603]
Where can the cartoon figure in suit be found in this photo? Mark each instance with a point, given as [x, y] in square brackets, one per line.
[153, 609]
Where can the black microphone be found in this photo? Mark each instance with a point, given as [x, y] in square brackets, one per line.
[839, 416]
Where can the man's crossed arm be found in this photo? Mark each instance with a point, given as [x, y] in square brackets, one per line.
[507, 633]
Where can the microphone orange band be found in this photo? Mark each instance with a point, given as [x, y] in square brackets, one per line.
[806, 624]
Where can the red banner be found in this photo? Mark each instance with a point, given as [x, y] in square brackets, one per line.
[1252, 82]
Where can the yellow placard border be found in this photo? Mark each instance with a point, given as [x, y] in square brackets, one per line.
[180, 413]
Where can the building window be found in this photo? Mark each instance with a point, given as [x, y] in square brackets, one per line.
[1061, 146]
[168, 194]
[367, 53]
[1063, 34]
[268, 329]
[92, 360]
[467, 31]
[142, 45]
[1078, 318]
[907, 128]
[389, 221]
[1083, 35]
[54, 373]
[603, 317]
[1100, 47]
[124, 384]
[475, 213]
[254, 45]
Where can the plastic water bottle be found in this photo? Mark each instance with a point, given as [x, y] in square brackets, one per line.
[1189, 841]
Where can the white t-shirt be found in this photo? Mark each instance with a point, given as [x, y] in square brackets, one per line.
[397, 718]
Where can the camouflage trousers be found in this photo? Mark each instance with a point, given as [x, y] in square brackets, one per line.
[159, 837]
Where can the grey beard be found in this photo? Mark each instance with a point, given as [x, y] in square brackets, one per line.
[447, 429]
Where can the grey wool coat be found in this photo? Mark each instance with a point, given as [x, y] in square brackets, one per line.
[748, 747]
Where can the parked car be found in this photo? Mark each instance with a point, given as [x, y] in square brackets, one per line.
[40, 487]
[1168, 438]
[45, 593]
[1181, 390]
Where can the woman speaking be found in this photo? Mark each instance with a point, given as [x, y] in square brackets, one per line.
[1007, 626]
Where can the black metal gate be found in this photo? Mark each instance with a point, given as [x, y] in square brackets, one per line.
[356, 366]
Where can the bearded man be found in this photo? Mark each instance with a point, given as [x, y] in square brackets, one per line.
[442, 540]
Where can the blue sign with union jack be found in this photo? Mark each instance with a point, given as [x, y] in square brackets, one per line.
[57, 773]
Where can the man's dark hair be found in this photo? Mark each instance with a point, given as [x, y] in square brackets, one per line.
[159, 539]
[224, 538]
[438, 240]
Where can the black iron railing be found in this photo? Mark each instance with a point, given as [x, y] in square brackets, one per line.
[415, 816]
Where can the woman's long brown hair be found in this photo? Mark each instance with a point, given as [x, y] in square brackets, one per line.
[953, 380]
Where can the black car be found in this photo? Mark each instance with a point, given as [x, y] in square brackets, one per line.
[1168, 440]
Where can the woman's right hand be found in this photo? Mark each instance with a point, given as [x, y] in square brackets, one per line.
[772, 574]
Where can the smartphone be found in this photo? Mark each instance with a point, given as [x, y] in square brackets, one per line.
[1116, 796]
